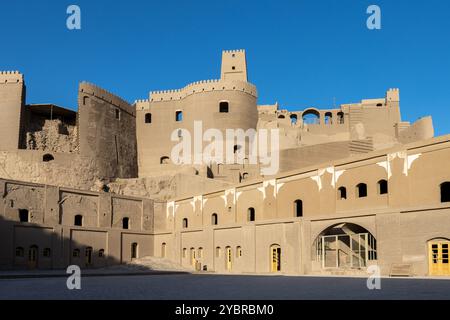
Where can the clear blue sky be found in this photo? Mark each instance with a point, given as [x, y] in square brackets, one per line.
[300, 53]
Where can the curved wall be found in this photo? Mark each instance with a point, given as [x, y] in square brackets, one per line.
[197, 102]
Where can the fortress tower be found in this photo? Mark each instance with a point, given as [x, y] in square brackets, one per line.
[12, 102]
[227, 103]
[234, 65]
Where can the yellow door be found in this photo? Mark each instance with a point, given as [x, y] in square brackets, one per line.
[228, 259]
[438, 258]
[32, 257]
[193, 260]
[275, 258]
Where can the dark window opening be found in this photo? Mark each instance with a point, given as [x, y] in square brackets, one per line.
[298, 208]
[148, 118]
[236, 148]
[48, 157]
[125, 223]
[223, 107]
[251, 214]
[164, 160]
[340, 116]
[76, 253]
[281, 116]
[78, 220]
[233, 68]
[101, 253]
[19, 252]
[382, 187]
[185, 223]
[342, 193]
[179, 116]
[118, 114]
[24, 215]
[445, 192]
[134, 250]
[214, 219]
[47, 253]
[85, 100]
[379, 104]
[361, 190]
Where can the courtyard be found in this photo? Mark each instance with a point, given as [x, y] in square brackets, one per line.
[223, 287]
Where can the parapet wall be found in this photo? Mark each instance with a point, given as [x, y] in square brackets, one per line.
[203, 86]
[102, 94]
[11, 77]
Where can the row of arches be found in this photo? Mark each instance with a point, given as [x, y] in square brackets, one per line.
[361, 190]
[312, 116]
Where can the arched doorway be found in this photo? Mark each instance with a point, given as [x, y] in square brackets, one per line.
[88, 256]
[345, 246]
[228, 257]
[438, 257]
[275, 258]
[33, 257]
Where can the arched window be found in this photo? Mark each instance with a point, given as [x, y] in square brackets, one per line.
[184, 252]
[298, 208]
[76, 253]
[164, 160]
[48, 157]
[200, 252]
[361, 190]
[445, 192]
[251, 214]
[101, 253]
[163, 250]
[78, 221]
[47, 253]
[24, 215]
[340, 116]
[223, 107]
[328, 118]
[293, 119]
[134, 250]
[148, 118]
[281, 116]
[214, 219]
[342, 193]
[238, 251]
[185, 223]
[382, 187]
[218, 252]
[244, 176]
[19, 252]
[179, 116]
[125, 223]
[311, 116]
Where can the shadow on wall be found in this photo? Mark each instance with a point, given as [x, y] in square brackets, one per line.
[28, 246]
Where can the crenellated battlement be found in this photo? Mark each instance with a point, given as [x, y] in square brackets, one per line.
[233, 51]
[11, 77]
[100, 93]
[203, 86]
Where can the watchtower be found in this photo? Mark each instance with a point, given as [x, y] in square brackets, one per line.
[12, 102]
[234, 65]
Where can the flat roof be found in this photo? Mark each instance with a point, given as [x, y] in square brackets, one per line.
[48, 109]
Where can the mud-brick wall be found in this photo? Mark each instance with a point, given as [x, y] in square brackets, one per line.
[107, 132]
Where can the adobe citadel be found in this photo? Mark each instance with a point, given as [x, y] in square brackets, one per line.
[356, 186]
